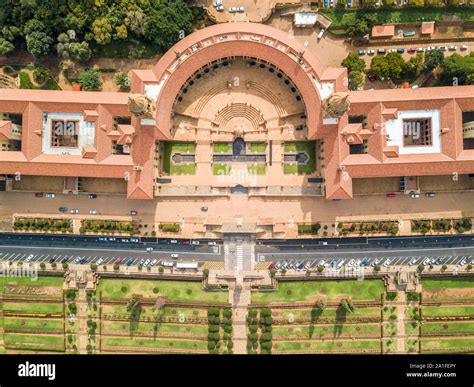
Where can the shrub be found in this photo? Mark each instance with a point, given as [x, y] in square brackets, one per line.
[170, 227]
[161, 269]
[90, 80]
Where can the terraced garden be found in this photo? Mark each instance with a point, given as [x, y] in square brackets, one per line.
[336, 316]
[147, 316]
[33, 316]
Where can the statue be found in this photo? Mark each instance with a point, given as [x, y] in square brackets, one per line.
[336, 105]
[141, 106]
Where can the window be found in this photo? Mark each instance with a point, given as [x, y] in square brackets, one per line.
[468, 129]
[121, 120]
[64, 133]
[417, 132]
[358, 149]
[360, 119]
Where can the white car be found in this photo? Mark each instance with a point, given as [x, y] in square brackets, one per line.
[211, 243]
[420, 49]
[77, 260]
[351, 262]
[413, 261]
[147, 262]
[167, 264]
[463, 262]
[341, 263]
[93, 212]
[240, 9]
[463, 47]
[370, 52]
[322, 263]
[233, 9]
[414, 195]
[195, 242]
[392, 50]
[387, 262]
[154, 262]
[427, 261]
[99, 261]
[452, 48]
[29, 258]
[174, 255]
[74, 211]
[149, 249]
[50, 195]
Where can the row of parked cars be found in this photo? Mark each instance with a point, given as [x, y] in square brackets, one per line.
[401, 50]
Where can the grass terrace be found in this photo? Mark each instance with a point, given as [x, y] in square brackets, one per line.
[309, 148]
[256, 147]
[330, 290]
[221, 147]
[258, 169]
[169, 166]
[221, 169]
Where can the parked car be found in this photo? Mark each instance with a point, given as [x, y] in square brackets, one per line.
[411, 49]
[29, 258]
[92, 196]
[392, 50]
[62, 209]
[372, 77]
[321, 33]
[133, 213]
[175, 255]
[149, 249]
[118, 260]
[82, 261]
[64, 260]
[381, 51]
[77, 259]
[204, 209]
[370, 52]
[430, 194]
[39, 194]
[400, 50]
[211, 243]
[142, 261]
[391, 195]
[154, 262]
[387, 262]
[361, 52]
[50, 195]
[414, 195]
[129, 262]
[443, 48]
[194, 242]
[463, 262]
[147, 262]
[413, 261]
[99, 261]
[93, 212]
[74, 211]
[174, 241]
[463, 47]
[134, 240]
[452, 48]
[420, 49]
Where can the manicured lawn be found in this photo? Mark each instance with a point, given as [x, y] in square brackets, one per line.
[174, 290]
[33, 339]
[258, 169]
[288, 314]
[150, 343]
[40, 281]
[221, 147]
[221, 169]
[447, 310]
[256, 147]
[465, 343]
[325, 330]
[313, 290]
[447, 327]
[448, 283]
[169, 148]
[411, 328]
[33, 307]
[171, 328]
[326, 346]
[399, 15]
[308, 147]
[38, 325]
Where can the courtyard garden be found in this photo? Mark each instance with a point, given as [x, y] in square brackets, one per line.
[300, 157]
[175, 158]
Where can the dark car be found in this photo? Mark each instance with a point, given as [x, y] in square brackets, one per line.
[82, 261]
[129, 262]
[52, 260]
[372, 77]
[400, 50]
[62, 209]
[92, 196]
[64, 260]
[39, 194]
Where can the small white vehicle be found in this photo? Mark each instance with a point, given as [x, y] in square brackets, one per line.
[413, 261]
[149, 249]
[147, 262]
[167, 264]
[321, 33]
[93, 212]
[387, 262]
[154, 262]
[50, 195]
[99, 261]
[195, 243]
[463, 47]
[463, 262]
[370, 52]
[74, 211]
[211, 243]
[77, 259]
[29, 258]
[175, 256]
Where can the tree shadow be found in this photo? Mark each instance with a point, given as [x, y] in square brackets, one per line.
[341, 316]
[315, 314]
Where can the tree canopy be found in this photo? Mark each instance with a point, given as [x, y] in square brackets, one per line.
[37, 24]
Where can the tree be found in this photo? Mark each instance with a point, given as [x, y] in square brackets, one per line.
[42, 266]
[122, 81]
[356, 80]
[38, 43]
[353, 63]
[102, 30]
[168, 21]
[347, 305]
[413, 67]
[388, 66]
[136, 21]
[6, 47]
[433, 59]
[90, 80]
[80, 51]
[458, 70]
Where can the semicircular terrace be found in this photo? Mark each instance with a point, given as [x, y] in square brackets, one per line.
[238, 40]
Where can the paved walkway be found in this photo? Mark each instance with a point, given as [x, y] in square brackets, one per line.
[239, 297]
[82, 320]
[401, 307]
